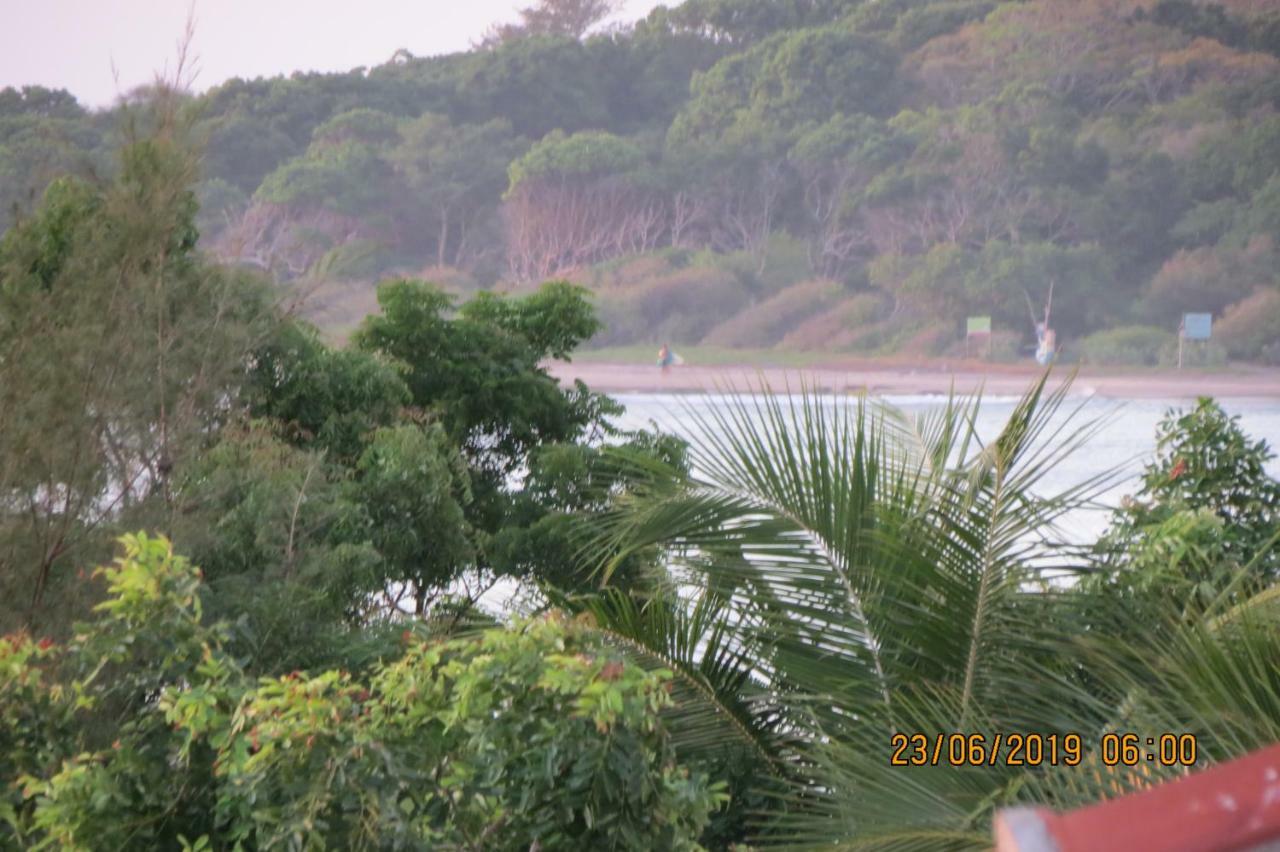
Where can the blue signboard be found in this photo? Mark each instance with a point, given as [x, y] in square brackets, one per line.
[1197, 326]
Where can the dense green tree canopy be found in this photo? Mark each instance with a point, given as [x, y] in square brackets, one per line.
[539, 734]
[1136, 132]
[725, 633]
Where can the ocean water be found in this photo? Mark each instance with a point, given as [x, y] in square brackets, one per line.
[1124, 443]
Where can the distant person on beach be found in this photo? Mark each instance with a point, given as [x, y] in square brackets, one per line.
[1046, 344]
[666, 358]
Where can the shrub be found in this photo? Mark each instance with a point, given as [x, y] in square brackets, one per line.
[532, 737]
[678, 308]
[1203, 279]
[931, 340]
[785, 262]
[1130, 344]
[1206, 509]
[1250, 328]
[1006, 346]
[765, 323]
[838, 328]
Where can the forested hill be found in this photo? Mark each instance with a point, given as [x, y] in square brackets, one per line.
[853, 175]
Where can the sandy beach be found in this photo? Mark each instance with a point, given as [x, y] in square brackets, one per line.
[879, 377]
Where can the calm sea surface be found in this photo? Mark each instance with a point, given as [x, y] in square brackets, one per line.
[1125, 442]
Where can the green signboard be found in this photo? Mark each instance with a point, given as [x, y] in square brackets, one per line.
[979, 325]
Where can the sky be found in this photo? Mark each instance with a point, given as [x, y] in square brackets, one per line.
[98, 49]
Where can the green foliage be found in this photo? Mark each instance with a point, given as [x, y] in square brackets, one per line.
[532, 735]
[582, 155]
[571, 18]
[415, 486]
[348, 178]
[1130, 344]
[920, 24]
[818, 523]
[1251, 327]
[284, 542]
[120, 348]
[545, 535]
[742, 22]
[454, 175]
[539, 84]
[1207, 468]
[483, 373]
[555, 320]
[785, 81]
[999, 279]
[363, 125]
[242, 151]
[868, 132]
[325, 398]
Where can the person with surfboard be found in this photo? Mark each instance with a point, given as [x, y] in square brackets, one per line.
[667, 358]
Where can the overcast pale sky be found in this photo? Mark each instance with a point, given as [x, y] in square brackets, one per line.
[75, 44]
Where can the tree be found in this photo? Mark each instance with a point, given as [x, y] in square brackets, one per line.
[39, 101]
[284, 541]
[485, 381]
[538, 84]
[787, 80]
[44, 135]
[415, 487]
[538, 735]
[882, 574]
[1206, 510]
[120, 349]
[574, 200]
[455, 176]
[480, 378]
[743, 22]
[571, 18]
[836, 161]
[323, 398]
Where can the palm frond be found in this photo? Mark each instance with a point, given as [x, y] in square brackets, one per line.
[888, 571]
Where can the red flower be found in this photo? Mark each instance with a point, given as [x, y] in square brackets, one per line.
[46, 643]
[406, 636]
[1178, 469]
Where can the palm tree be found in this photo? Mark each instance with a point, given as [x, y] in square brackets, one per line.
[842, 572]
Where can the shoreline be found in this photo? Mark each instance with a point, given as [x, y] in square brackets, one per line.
[884, 378]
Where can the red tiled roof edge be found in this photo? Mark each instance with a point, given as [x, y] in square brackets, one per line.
[1231, 806]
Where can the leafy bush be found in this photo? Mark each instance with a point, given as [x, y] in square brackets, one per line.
[765, 323]
[1205, 512]
[678, 308]
[1204, 279]
[1127, 345]
[784, 261]
[933, 339]
[921, 24]
[530, 737]
[837, 328]
[1251, 327]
